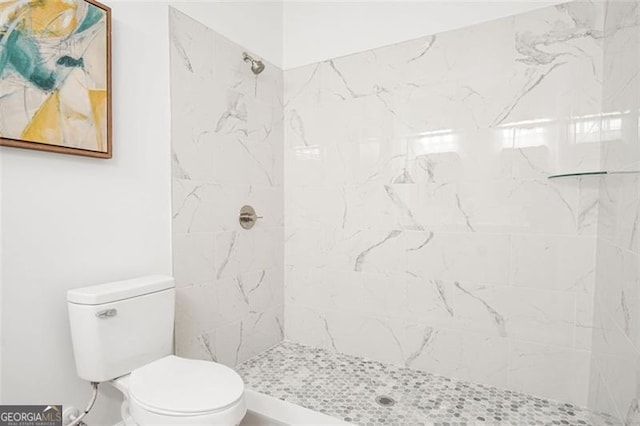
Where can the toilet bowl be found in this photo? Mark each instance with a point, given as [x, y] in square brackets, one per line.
[179, 391]
[122, 333]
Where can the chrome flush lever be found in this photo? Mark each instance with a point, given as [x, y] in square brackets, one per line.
[107, 313]
[248, 217]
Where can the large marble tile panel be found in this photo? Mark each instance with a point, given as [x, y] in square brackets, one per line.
[311, 165]
[584, 326]
[194, 158]
[308, 246]
[621, 15]
[242, 251]
[261, 290]
[382, 207]
[628, 230]
[393, 340]
[383, 295]
[359, 146]
[245, 152]
[195, 206]
[555, 146]
[234, 253]
[190, 343]
[588, 205]
[546, 206]
[558, 58]
[374, 251]
[608, 205]
[237, 342]
[315, 206]
[301, 86]
[344, 291]
[620, 141]
[268, 202]
[620, 269]
[600, 399]
[545, 92]
[466, 356]
[549, 371]
[489, 206]
[308, 326]
[564, 263]
[268, 249]
[229, 342]
[617, 360]
[192, 44]
[304, 286]
[439, 207]
[233, 300]
[197, 307]
[347, 332]
[621, 59]
[431, 302]
[193, 258]
[463, 156]
[470, 256]
[517, 312]
[449, 106]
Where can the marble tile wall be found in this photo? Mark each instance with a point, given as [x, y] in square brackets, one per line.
[420, 226]
[227, 151]
[615, 379]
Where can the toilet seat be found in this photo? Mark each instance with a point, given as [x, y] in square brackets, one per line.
[174, 390]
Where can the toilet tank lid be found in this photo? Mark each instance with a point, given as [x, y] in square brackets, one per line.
[119, 290]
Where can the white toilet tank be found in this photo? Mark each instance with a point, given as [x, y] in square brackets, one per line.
[120, 326]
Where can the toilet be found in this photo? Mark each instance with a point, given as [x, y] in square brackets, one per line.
[122, 333]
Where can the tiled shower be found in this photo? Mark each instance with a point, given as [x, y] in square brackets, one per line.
[227, 151]
[408, 217]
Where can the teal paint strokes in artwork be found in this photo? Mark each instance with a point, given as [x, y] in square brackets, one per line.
[24, 56]
[69, 62]
[93, 16]
[4, 55]
[20, 51]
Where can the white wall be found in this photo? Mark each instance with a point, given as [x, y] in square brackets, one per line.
[319, 30]
[73, 221]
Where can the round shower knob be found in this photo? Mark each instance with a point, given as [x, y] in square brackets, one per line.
[248, 217]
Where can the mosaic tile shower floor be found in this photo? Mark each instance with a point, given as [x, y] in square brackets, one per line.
[346, 387]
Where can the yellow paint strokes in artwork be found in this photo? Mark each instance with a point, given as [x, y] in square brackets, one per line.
[45, 126]
[70, 114]
[7, 4]
[98, 99]
[51, 18]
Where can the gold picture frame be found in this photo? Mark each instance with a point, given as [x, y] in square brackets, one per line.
[56, 76]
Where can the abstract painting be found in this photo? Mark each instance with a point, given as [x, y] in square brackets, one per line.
[55, 76]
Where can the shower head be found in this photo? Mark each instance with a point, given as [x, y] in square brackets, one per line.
[256, 66]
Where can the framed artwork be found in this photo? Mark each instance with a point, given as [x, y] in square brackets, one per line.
[55, 76]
